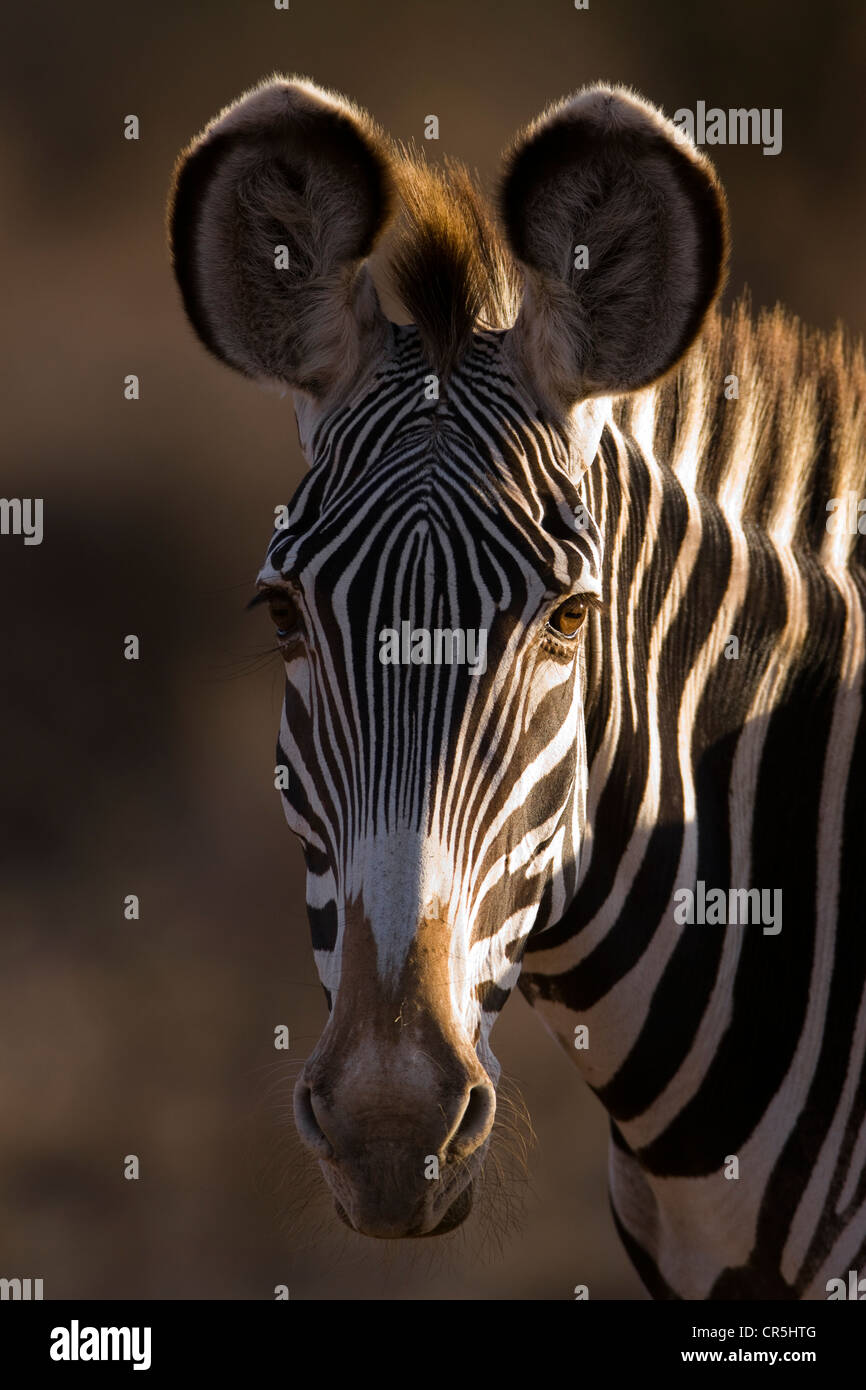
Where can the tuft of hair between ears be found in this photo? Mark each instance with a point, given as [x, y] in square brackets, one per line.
[448, 262]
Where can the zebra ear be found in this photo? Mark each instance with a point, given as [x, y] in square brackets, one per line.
[621, 227]
[272, 211]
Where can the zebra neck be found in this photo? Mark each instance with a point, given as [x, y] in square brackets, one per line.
[718, 649]
[726, 746]
[738, 767]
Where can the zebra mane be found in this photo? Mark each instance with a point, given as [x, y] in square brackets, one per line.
[792, 438]
[447, 261]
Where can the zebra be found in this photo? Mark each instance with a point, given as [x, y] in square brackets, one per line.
[634, 495]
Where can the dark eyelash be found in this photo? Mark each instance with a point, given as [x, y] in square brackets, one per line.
[267, 596]
[589, 600]
[592, 601]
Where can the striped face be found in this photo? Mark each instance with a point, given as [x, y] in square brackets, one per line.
[431, 587]
[437, 783]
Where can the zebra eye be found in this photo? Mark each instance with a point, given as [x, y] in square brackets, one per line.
[284, 616]
[568, 618]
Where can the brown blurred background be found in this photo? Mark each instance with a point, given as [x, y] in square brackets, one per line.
[154, 777]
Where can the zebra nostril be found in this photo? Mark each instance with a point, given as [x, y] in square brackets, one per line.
[307, 1122]
[475, 1123]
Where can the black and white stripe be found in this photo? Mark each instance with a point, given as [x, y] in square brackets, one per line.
[709, 1041]
[545, 813]
[451, 513]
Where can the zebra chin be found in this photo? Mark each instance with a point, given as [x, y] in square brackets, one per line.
[393, 1187]
[453, 1217]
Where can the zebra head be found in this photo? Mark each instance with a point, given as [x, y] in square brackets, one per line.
[432, 579]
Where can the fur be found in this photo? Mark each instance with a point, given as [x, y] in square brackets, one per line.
[606, 169]
[796, 433]
[448, 263]
[287, 164]
[290, 163]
